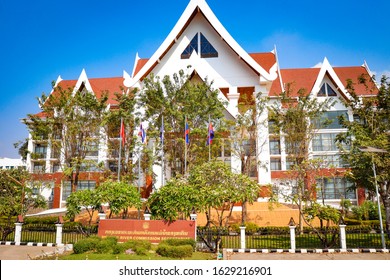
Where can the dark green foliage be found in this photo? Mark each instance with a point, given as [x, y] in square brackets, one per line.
[86, 245]
[176, 248]
[180, 242]
[179, 252]
[110, 245]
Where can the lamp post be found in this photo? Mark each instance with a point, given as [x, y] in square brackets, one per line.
[376, 150]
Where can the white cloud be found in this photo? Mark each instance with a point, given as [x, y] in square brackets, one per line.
[318, 65]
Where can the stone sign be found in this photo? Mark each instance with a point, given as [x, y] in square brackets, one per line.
[154, 231]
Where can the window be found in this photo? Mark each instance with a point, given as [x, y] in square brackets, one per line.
[92, 149]
[39, 167]
[40, 151]
[276, 164]
[274, 146]
[326, 90]
[332, 161]
[81, 185]
[249, 147]
[331, 120]
[192, 46]
[206, 49]
[335, 188]
[56, 167]
[272, 128]
[325, 142]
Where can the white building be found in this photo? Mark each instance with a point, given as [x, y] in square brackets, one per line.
[11, 163]
[200, 40]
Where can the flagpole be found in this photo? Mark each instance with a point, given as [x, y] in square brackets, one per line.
[120, 151]
[162, 150]
[185, 145]
[209, 136]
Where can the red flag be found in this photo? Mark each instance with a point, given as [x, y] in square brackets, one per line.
[122, 133]
[210, 134]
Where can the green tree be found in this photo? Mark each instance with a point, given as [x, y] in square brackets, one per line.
[328, 217]
[88, 200]
[371, 127]
[220, 189]
[174, 99]
[296, 119]
[71, 122]
[16, 198]
[175, 200]
[119, 196]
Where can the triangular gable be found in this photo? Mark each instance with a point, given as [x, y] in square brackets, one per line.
[191, 10]
[327, 70]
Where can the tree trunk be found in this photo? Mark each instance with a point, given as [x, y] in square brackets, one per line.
[243, 213]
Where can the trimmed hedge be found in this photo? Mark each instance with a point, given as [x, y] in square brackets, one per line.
[180, 242]
[110, 244]
[179, 252]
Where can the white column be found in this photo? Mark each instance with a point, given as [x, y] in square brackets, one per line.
[292, 237]
[193, 217]
[18, 232]
[242, 237]
[59, 234]
[147, 217]
[102, 216]
[343, 239]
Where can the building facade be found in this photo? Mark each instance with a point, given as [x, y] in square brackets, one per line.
[200, 44]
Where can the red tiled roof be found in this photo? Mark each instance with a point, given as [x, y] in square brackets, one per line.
[111, 85]
[99, 86]
[353, 73]
[265, 60]
[301, 78]
[140, 63]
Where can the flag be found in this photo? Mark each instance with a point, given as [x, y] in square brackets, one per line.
[142, 134]
[210, 134]
[122, 133]
[187, 134]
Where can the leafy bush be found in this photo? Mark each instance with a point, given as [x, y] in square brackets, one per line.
[106, 245]
[119, 248]
[368, 210]
[86, 245]
[180, 242]
[182, 251]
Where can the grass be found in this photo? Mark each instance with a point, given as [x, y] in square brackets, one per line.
[151, 255]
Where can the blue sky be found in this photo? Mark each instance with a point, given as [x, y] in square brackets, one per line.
[42, 39]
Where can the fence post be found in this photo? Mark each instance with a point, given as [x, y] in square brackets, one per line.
[147, 214]
[193, 217]
[59, 225]
[292, 227]
[343, 239]
[18, 229]
[242, 237]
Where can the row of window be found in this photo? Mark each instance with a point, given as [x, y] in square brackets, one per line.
[327, 188]
[335, 188]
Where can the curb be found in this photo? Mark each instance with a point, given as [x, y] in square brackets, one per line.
[307, 251]
[30, 244]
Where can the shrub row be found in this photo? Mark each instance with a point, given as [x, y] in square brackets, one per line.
[176, 248]
[108, 245]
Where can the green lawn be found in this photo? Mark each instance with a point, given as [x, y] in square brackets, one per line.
[151, 255]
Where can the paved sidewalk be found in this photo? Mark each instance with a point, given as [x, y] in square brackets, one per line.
[28, 252]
